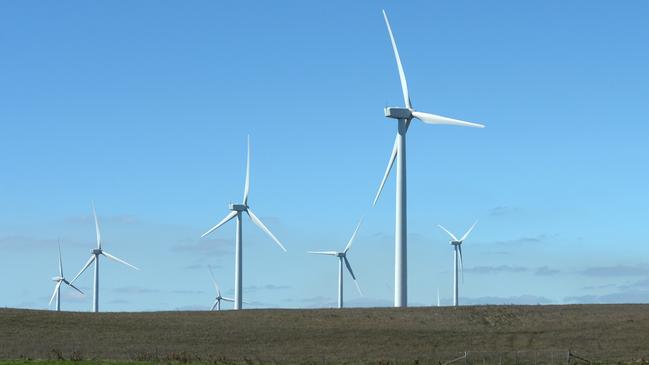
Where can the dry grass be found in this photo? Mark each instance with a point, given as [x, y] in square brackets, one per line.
[597, 332]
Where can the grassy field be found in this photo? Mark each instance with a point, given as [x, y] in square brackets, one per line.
[506, 334]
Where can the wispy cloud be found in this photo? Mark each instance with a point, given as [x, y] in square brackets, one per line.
[18, 242]
[503, 210]
[525, 240]
[496, 269]
[188, 292]
[520, 300]
[616, 271]
[628, 296]
[134, 290]
[204, 247]
[545, 271]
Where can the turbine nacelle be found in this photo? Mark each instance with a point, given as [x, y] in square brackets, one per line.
[398, 113]
[455, 243]
[57, 278]
[238, 207]
[96, 251]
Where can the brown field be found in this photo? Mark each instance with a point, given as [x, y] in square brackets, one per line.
[491, 334]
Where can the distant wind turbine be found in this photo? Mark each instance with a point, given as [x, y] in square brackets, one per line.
[219, 298]
[404, 115]
[457, 254]
[236, 210]
[59, 281]
[342, 257]
[94, 256]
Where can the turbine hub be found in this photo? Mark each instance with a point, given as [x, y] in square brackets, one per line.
[456, 243]
[398, 113]
[340, 254]
[96, 251]
[238, 207]
[57, 278]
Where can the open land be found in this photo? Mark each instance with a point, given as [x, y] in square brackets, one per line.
[491, 334]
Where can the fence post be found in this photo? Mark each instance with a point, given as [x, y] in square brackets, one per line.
[466, 354]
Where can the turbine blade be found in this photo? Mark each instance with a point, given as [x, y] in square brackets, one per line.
[72, 286]
[393, 156]
[56, 288]
[230, 215]
[328, 253]
[402, 75]
[60, 262]
[216, 286]
[449, 233]
[438, 119]
[94, 213]
[92, 258]
[118, 259]
[461, 263]
[351, 272]
[469, 231]
[214, 305]
[229, 299]
[261, 225]
[351, 240]
[246, 189]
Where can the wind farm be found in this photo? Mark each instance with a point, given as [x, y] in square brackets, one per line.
[160, 112]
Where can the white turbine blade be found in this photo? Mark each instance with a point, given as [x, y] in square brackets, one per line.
[72, 286]
[351, 272]
[118, 259]
[449, 233]
[461, 263]
[94, 212]
[230, 215]
[246, 189]
[438, 119]
[261, 225]
[60, 263]
[469, 231]
[56, 288]
[216, 286]
[229, 299]
[92, 258]
[393, 156]
[351, 240]
[328, 253]
[214, 305]
[402, 75]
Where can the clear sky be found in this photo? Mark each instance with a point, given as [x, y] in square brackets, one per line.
[144, 107]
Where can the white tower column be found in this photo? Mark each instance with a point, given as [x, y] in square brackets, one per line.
[400, 237]
[95, 294]
[58, 299]
[455, 276]
[238, 265]
[340, 282]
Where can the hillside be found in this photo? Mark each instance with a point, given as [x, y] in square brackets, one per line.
[495, 333]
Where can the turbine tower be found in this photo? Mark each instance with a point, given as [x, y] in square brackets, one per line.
[59, 281]
[457, 255]
[404, 116]
[342, 257]
[236, 210]
[94, 256]
[219, 298]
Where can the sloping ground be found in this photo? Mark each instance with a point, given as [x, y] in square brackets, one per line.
[596, 332]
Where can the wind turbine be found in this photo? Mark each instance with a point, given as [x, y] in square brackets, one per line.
[236, 210]
[94, 256]
[404, 116]
[457, 254]
[342, 257]
[59, 281]
[219, 298]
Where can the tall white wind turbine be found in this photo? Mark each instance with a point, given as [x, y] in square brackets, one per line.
[219, 298]
[404, 116]
[458, 263]
[236, 210]
[94, 257]
[342, 258]
[59, 281]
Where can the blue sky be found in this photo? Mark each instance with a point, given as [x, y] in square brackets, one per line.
[145, 108]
